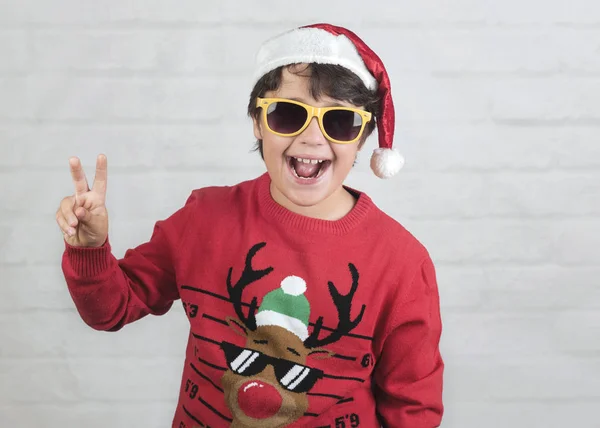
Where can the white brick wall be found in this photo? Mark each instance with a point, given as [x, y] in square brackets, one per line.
[498, 107]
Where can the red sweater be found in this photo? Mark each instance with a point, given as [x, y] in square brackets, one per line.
[294, 321]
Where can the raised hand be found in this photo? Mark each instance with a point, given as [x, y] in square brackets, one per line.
[83, 217]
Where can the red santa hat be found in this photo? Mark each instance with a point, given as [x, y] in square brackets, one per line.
[329, 44]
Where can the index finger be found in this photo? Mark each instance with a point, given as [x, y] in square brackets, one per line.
[81, 185]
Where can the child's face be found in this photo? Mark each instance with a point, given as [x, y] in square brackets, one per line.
[281, 153]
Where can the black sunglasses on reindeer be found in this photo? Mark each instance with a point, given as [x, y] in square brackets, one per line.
[249, 362]
[288, 118]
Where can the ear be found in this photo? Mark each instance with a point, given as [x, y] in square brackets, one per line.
[237, 327]
[256, 127]
[361, 143]
[320, 353]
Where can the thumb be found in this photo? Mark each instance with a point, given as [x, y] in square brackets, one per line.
[83, 215]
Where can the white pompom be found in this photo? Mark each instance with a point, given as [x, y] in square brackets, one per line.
[293, 285]
[386, 163]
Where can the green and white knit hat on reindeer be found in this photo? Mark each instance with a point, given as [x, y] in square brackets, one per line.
[286, 307]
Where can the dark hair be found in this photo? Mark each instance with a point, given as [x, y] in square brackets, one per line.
[334, 81]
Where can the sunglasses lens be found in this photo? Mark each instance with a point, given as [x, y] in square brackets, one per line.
[295, 377]
[286, 118]
[245, 362]
[342, 125]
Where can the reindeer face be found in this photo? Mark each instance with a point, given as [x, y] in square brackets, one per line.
[267, 380]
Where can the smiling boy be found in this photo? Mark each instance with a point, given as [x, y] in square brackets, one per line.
[307, 175]
[308, 306]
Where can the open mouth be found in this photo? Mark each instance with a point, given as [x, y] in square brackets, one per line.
[308, 169]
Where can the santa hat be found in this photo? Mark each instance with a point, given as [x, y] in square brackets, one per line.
[286, 307]
[328, 44]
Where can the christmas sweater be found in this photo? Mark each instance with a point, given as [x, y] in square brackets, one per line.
[294, 321]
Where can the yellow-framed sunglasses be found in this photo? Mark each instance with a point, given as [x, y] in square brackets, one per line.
[288, 118]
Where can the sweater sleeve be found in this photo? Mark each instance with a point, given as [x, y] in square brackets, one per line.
[110, 293]
[408, 375]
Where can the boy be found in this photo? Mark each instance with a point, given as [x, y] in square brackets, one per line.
[308, 306]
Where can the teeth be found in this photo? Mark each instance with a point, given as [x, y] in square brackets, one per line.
[313, 161]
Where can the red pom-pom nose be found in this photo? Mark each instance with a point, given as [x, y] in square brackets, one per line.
[259, 400]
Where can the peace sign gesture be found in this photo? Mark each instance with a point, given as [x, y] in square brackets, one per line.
[83, 217]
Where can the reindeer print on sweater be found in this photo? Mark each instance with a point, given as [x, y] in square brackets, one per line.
[268, 377]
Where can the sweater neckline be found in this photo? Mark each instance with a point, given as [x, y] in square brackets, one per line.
[273, 210]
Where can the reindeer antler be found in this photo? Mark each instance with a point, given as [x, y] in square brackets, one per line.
[248, 276]
[343, 304]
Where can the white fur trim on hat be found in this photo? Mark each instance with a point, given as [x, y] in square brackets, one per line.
[291, 324]
[386, 163]
[306, 45]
